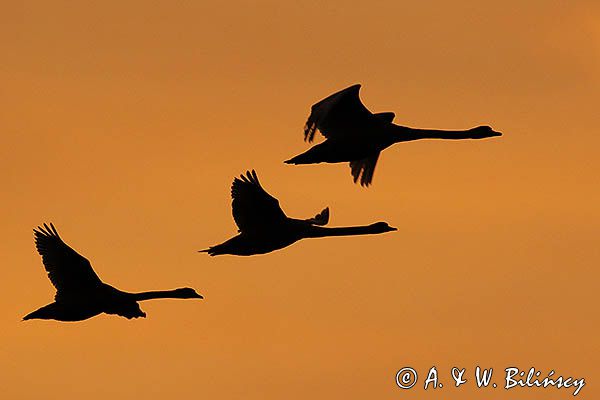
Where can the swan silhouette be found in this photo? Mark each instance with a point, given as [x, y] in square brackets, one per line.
[80, 294]
[356, 135]
[264, 227]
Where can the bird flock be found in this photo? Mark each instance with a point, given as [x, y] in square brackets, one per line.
[352, 134]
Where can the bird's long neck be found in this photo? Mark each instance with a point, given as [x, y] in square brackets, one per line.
[158, 294]
[319, 231]
[404, 134]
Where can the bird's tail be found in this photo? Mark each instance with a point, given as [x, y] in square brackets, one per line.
[48, 311]
[327, 152]
[31, 315]
[212, 251]
[299, 159]
[314, 155]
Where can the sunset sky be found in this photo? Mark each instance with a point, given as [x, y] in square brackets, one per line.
[124, 123]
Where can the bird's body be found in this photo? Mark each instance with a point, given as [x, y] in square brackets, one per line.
[337, 150]
[353, 134]
[264, 227]
[247, 244]
[80, 293]
[88, 303]
[67, 311]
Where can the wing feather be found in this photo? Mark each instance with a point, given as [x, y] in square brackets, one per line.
[338, 115]
[67, 270]
[252, 207]
[364, 169]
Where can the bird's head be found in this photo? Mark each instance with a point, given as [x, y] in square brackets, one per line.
[187, 293]
[381, 227]
[484, 132]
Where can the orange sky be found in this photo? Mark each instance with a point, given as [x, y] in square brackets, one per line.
[124, 124]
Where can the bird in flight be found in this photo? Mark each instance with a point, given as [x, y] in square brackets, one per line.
[80, 294]
[264, 227]
[356, 135]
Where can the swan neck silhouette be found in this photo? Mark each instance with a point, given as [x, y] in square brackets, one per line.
[403, 133]
[183, 293]
[320, 231]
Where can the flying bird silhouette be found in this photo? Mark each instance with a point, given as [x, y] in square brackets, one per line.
[80, 294]
[264, 227]
[356, 135]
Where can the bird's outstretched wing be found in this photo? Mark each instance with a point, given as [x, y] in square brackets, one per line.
[68, 270]
[253, 208]
[364, 169]
[341, 114]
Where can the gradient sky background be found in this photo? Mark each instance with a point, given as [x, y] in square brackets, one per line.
[123, 123]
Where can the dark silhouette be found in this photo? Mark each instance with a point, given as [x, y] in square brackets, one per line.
[356, 135]
[80, 294]
[264, 227]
